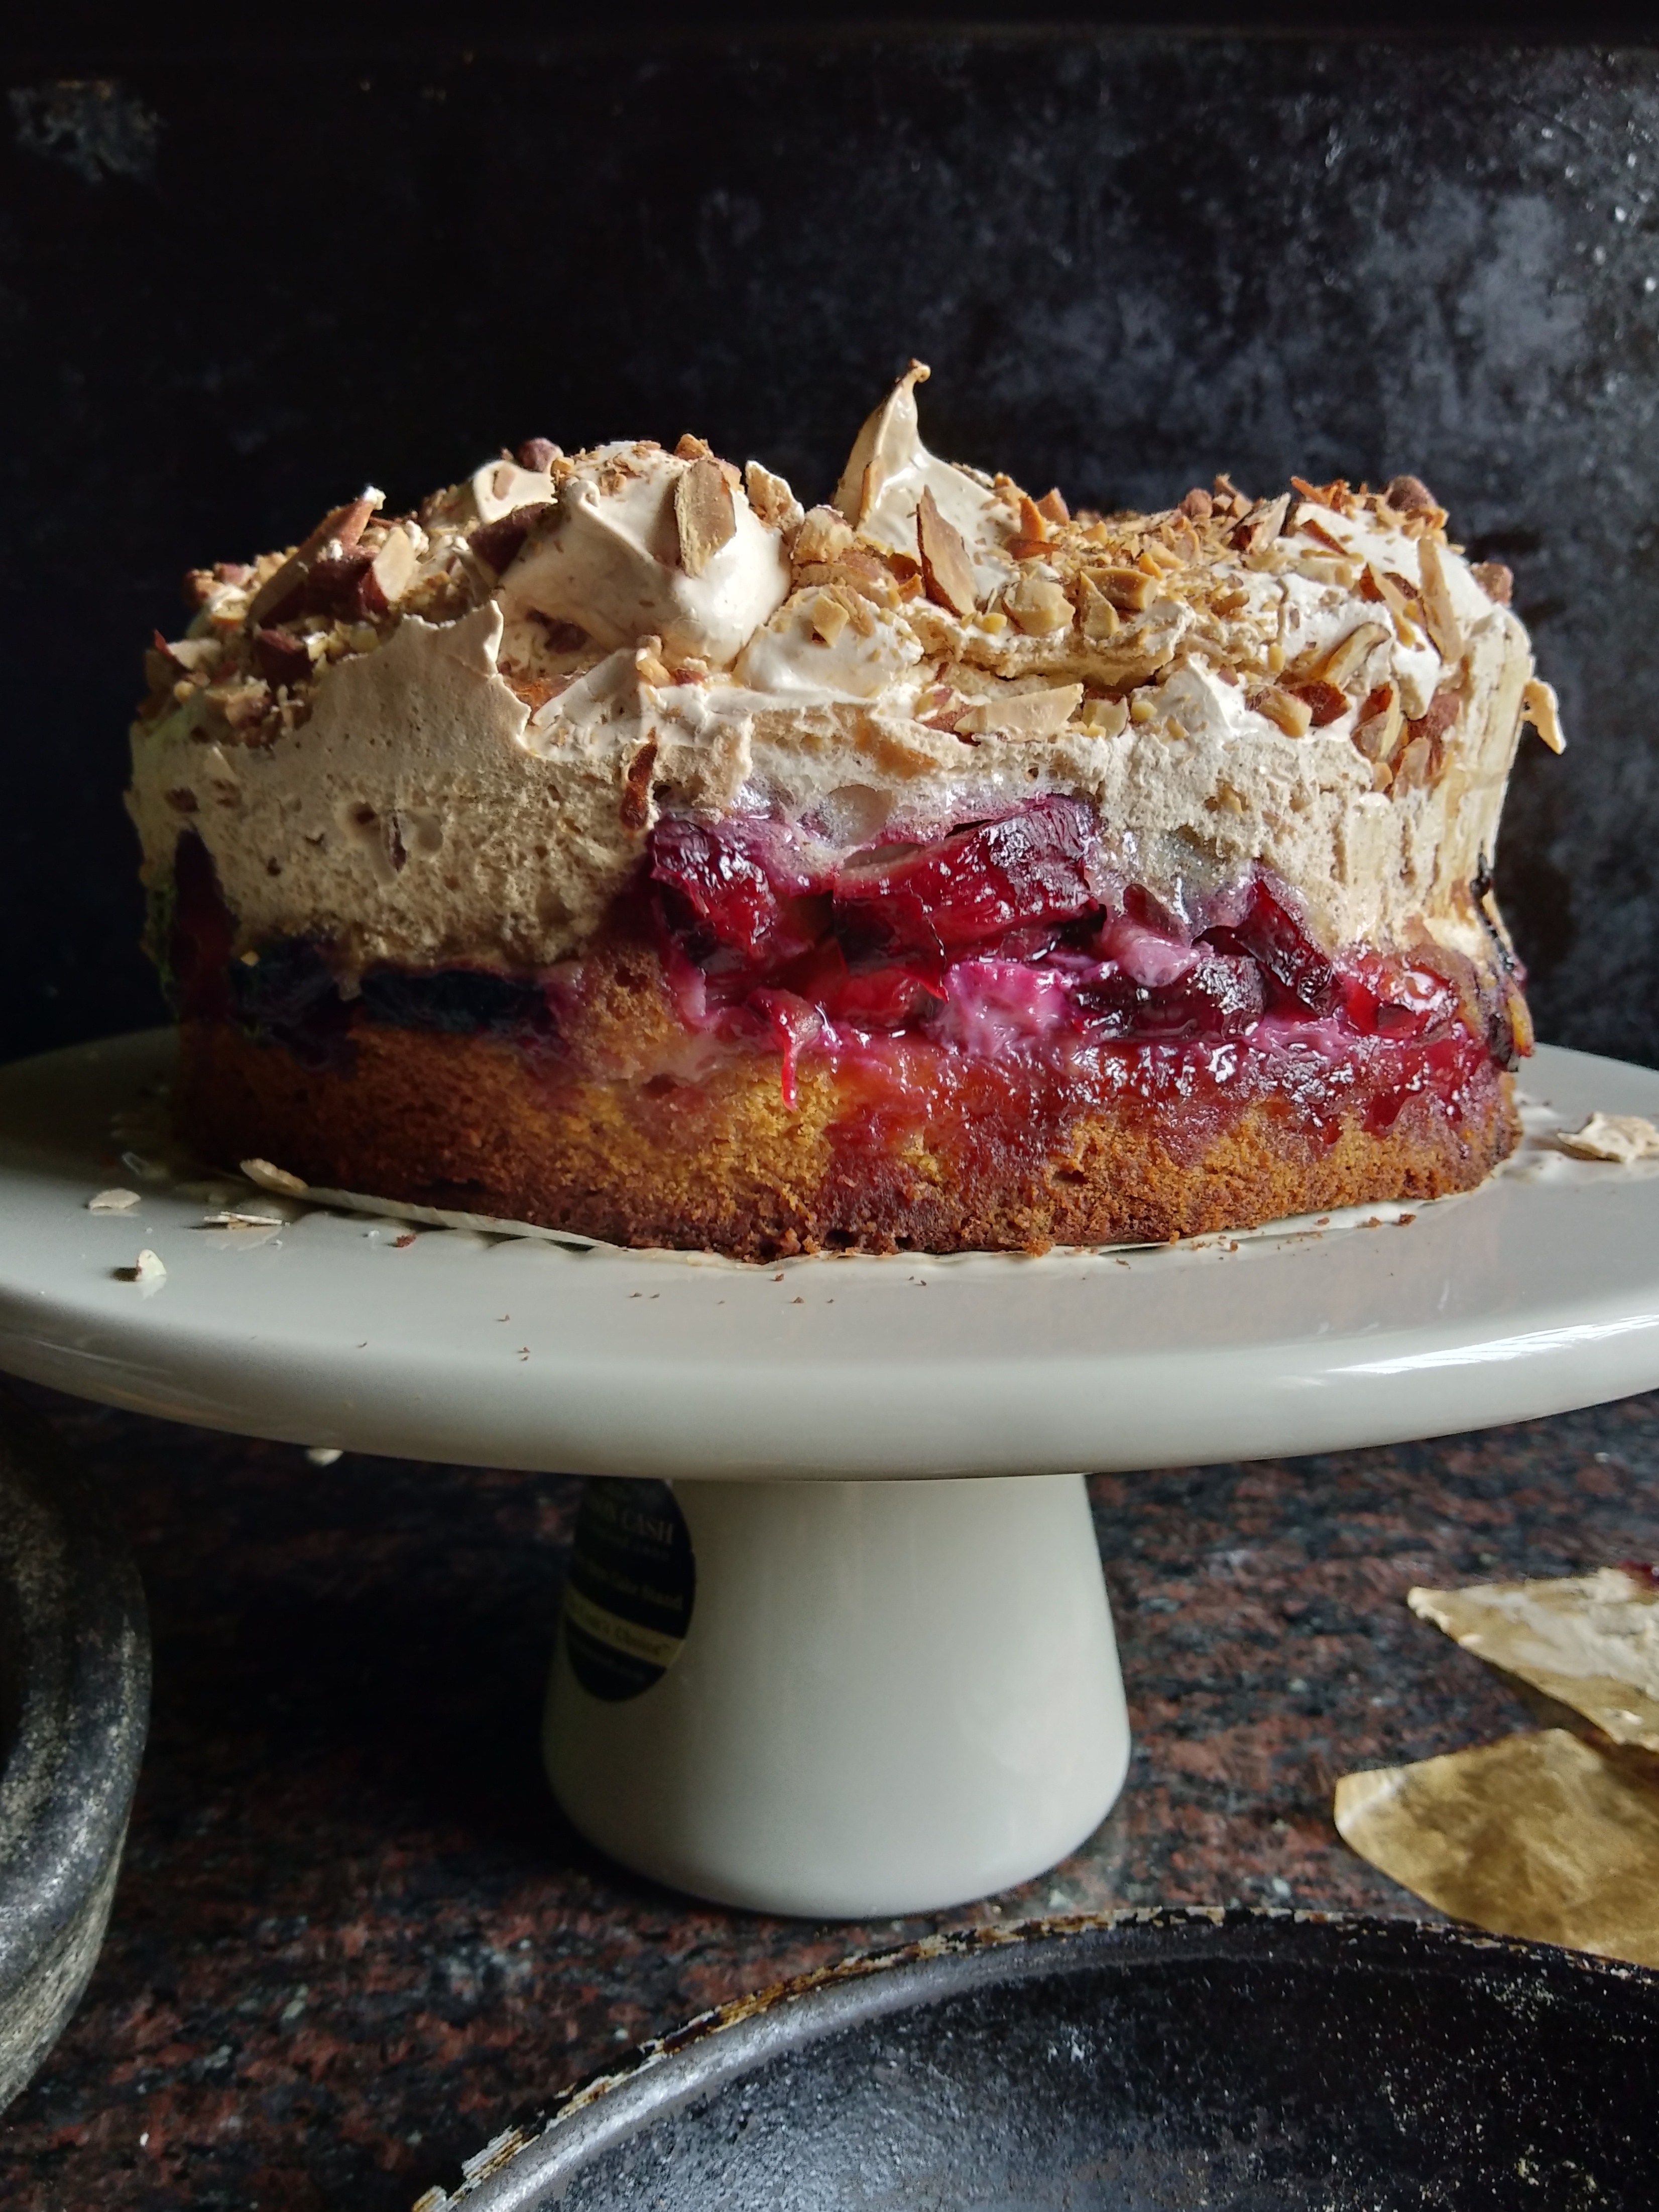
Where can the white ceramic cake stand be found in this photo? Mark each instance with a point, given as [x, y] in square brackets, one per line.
[822, 1689]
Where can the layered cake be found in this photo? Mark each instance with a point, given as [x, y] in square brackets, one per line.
[616, 846]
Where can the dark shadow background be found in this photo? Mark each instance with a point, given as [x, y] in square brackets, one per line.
[244, 267]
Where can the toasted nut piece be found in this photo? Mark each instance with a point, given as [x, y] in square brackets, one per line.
[822, 537]
[1100, 617]
[1131, 591]
[393, 566]
[274, 1179]
[1410, 495]
[1039, 606]
[1378, 725]
[1324, 703]
[1309, 527]
[703, 513]
[1053, 508]
[770, 497]
[1293, 715]
[1198, 506]
[1540, 707]
[1262, 524]
[1497, 581]
[649, 664]
[636, 787]
[343, 527]
[947, 573]
[829, 617]
[1022, 714]
[1414, 765]
[1104, 718]
[1438, 613]
[1345, 658]
[112, 1201]
[1384, 588]
[1160, 561]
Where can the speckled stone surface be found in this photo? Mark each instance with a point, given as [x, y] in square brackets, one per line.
[354, 1938]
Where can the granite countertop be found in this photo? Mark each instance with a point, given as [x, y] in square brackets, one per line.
[354, 1937]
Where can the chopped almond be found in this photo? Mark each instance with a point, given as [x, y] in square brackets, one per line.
[1347, 659]
[823, 537]
[1039, 606]
[1053, 508]
[1293, 715]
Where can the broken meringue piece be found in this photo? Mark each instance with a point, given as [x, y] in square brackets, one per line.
[1624, 1137]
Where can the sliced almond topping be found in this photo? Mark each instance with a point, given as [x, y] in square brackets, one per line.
[1310, 528]
[704, 513]
[1293, 715]
[343, 527]
[113, 1202]
[1438, 612]
[393, 566]
[1347, 657]
[1053, 508]
[947, 573]
[1395, 600]
[1262, 524]
[1540, 707]
[1377, 725]
[1023, 714]
[274, 1179]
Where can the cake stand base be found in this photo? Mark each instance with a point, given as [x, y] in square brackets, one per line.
[887, 1698]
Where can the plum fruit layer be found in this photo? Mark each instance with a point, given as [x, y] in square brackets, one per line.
[979, 1040]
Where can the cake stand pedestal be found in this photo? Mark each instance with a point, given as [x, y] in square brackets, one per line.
[839, 1644]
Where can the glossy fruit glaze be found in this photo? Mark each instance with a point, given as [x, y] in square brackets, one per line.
[1000, 970]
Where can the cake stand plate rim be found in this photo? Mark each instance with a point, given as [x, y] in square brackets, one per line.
[1537, 1293]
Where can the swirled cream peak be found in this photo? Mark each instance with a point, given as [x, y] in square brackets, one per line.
[637, 543]
[889, 469]
[446, 736]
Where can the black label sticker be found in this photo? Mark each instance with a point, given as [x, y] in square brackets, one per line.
[633, 1580]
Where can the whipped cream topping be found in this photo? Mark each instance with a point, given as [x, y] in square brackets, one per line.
[444, 736]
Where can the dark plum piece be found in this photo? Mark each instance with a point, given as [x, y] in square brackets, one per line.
[720, 891]
[460, 1001]
[289, 996]
[1221, 997]
[972, 886]
[1273, 937]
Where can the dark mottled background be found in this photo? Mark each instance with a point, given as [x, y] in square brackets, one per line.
[241, 271]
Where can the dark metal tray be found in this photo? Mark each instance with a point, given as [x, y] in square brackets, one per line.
[1154, 2063]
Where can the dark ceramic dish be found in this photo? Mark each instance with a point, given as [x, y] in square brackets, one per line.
[74, 1701]
[1258, 2063]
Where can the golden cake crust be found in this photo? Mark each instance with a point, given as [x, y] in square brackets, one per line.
[478, 1123]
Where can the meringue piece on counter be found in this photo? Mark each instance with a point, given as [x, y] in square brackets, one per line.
[612, 563]
[890, 468]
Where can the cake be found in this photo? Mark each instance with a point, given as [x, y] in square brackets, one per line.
[615, 846]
